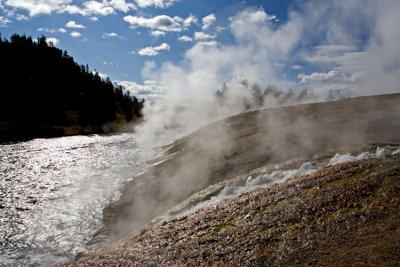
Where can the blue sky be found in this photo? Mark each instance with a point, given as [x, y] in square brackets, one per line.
[148, 45]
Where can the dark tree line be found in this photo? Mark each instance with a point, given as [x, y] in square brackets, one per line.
[45, 92]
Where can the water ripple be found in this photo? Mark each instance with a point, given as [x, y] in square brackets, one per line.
[52, 192]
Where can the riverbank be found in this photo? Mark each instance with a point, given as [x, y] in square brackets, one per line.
[17, 133]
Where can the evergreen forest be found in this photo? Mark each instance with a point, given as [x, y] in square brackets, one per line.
[44, 93]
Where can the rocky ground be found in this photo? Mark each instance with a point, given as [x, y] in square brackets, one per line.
[342, 215]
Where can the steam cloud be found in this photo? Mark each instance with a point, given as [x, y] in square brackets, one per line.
[350, 45]
[355, 48]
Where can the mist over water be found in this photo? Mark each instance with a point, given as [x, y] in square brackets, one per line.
[52, 192]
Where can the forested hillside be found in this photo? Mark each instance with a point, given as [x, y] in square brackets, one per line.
[44, 92]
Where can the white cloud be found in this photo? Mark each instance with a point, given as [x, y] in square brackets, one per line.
[153, 50]
[208, 43]
[190, 20]
[94, 18]
[208, 21]
[98, 8]
[158, 33]
[155, 3]
[4, 21]
[72, 9]
[88, 8]
[48, 30]
[21, 17]
[161, 23]
[37, 7]
[185, 39]
[52, 41]
[145, 90]
[203, 36]
[110, 35]
[121, 5]
[75, 34]
[73, 25]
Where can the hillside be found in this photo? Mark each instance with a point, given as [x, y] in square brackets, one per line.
[344, 215]
[337, 215]
[44, 92]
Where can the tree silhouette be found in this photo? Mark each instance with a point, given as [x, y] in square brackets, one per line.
[44, 92]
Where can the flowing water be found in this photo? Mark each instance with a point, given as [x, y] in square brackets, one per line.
[52, 192]
[277, 175]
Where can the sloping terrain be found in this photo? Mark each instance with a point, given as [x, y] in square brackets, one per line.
[239, 144]
[342, 215]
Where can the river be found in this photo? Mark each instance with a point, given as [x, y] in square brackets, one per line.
[52, 192]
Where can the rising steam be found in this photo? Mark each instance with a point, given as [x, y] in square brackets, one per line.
[356, 50]
[351, 46]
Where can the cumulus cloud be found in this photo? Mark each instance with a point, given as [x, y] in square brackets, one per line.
[158, 33]
[52, 41]
[155, 3]
[147, 89]
[87, 8]
[75, 34]
[203, 36]
[185, 39]
[161, 23]
[37, 7]
[153, 50]
[208, 43]
[73, 10]
[190, 20]
[98, 8]
[110, 35]
[121, 5]
[207, 21]
[73, 25]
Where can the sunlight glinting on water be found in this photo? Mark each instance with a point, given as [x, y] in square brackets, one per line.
[53, 192]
